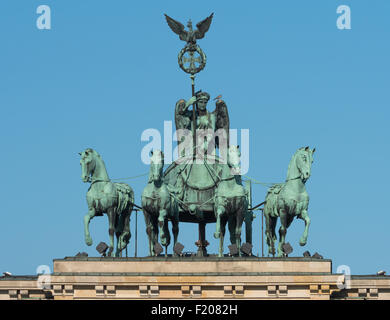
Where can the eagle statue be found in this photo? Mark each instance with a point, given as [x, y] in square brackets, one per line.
[190, 36]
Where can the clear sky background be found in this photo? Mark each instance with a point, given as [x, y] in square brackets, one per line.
[107, 70]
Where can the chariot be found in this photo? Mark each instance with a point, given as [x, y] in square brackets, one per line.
[201, 177]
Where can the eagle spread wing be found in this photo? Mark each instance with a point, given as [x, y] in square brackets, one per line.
[203, 27]
[222, 122]
[177, 27]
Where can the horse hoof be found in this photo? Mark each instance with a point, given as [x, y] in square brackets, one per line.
[302, 242]
[88, 241]
[217, 235]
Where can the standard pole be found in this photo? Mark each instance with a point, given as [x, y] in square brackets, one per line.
[193, 119]
[136, 235]
[262, 233]
[201, 226]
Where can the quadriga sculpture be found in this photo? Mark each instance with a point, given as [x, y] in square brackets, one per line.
[231, 201]
[159, 206]
[289, 200]
[104, 196]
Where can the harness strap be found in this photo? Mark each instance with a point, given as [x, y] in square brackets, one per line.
[98, 180]
[293, 178]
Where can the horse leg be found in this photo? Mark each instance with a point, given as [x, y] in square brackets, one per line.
[273, 221]
[270, 223]
[232, 229]
[111, 214]
[248, 226]
[154, 233]
[87, 218]
[167, 236]
[148, 229]
[123, 232]
[126, 233]
[222, 236]
[118, 233]
[220, 213]
[304, 216]
[162, 224]
[239, 221]
[116, 228]
[268, 233]
[175, 229]
[282, 231]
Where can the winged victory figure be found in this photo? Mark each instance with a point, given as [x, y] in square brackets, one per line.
[217, 121]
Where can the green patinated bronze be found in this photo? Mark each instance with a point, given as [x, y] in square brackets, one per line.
[200, 174]
[208, 178]
[207, 124]
[201, 186]
[289, 200]
[104, 196]
[195, 53]
[230, 201]
[159, 205]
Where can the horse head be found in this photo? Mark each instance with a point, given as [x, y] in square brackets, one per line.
[233, 159]
[87, 163]
[303, 162]
[156, 166]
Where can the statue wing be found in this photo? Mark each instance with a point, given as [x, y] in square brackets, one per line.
[203, 27]
[182, 120]
[177, 27]
[179, 114]
[222, 121]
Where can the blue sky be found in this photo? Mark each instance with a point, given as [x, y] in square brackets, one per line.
[107, 71]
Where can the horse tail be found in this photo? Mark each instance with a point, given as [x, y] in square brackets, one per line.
[271, 200]
[125, 198]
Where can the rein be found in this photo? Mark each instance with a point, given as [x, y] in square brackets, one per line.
[227, 179]
[299, 177]
[98, 180]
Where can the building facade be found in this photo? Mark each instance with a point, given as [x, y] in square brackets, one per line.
[79, 278]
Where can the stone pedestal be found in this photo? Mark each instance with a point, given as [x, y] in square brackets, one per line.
[192, 265]
[193, 277]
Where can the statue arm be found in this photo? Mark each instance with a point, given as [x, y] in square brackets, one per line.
[191, 101]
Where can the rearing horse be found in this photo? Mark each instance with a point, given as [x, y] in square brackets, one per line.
[159, 206]
[289, 200]
[231, 201]
[104, 196]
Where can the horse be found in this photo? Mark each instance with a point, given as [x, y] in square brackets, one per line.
[159, 205]
[104, 196]
[231, 203]
[289, 200]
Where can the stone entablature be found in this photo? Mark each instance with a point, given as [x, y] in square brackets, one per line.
[180, 265]
[22, 288]
[195, 278]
